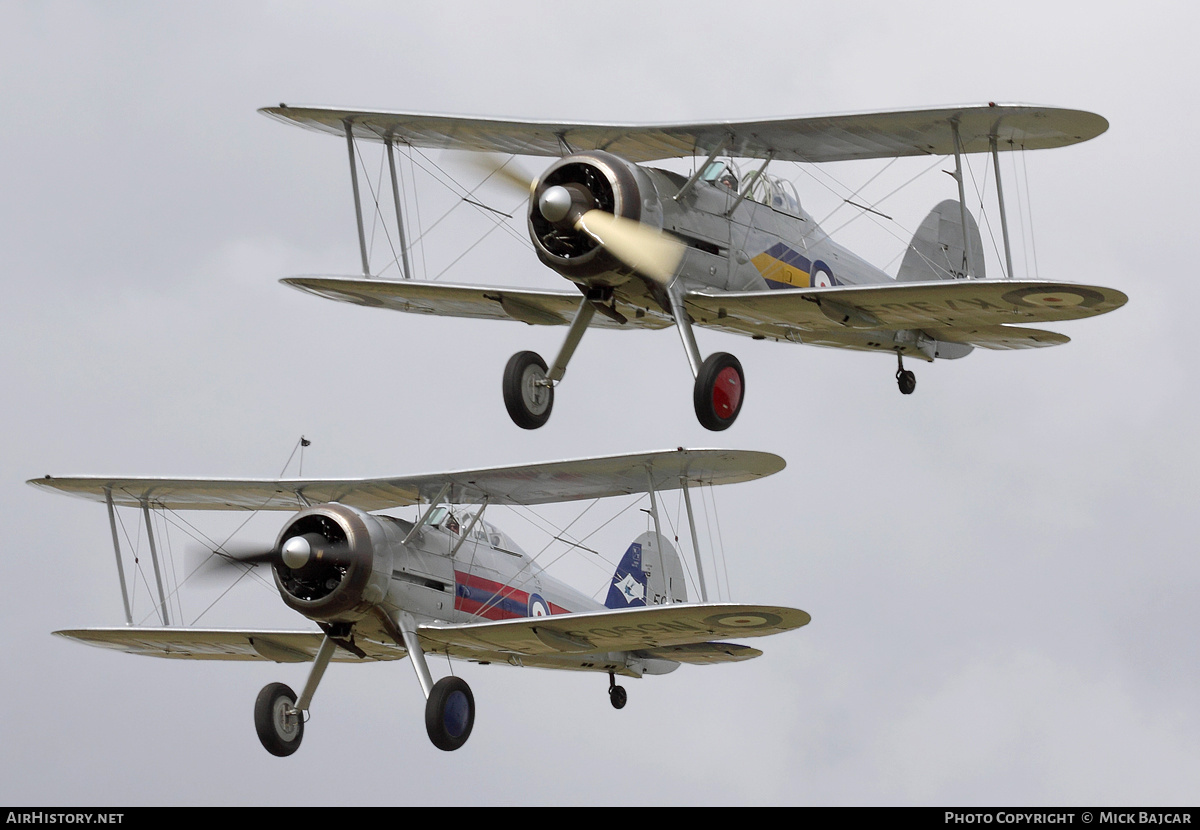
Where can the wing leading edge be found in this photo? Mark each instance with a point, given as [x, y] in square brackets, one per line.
[526, 484]
[811, 139]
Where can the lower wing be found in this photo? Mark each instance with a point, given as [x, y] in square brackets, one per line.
[538, 308]
[656, 629]
[227, 644]
[987, 313]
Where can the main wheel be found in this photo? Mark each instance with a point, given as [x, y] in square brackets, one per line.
[450, 713]
[719, 391]
[279, 730]
[527, 396]
[907, 381]
[617, 697]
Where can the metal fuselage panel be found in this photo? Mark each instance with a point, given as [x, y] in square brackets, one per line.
[488, 578]
[756, 247]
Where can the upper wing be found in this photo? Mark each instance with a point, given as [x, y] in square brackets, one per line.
[544, 308]
[813, 139]
[226, 644]
[627, 629]
[978, 312]
[529, 484]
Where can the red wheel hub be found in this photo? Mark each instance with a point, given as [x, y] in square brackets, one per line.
[727, 392]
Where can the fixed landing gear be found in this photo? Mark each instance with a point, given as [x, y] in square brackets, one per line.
[279, 724]
[450, 713]
[616, 694]
[528, 394]
[718, 392]
[905, 379]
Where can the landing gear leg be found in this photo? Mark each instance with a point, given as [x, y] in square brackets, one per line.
[529, 387]
[905, 379]
[616, 694]
[279, 714]
[720, 384]
[449, 704]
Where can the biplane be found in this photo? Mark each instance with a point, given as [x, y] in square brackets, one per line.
[447, 583]
[651, 248]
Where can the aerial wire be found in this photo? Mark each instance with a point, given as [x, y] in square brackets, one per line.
[1037, 274]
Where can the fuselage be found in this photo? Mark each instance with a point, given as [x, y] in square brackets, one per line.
[455, 572]
[380, 576]
[754, 244]
[760, 241]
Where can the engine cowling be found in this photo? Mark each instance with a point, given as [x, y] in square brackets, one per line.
[347, 572]
[593, 180]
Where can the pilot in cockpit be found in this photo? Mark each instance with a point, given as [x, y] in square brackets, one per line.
[728, 179]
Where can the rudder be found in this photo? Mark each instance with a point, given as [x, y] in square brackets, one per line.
[936, 251]
[639, 579]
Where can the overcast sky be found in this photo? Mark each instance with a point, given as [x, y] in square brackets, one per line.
[1000, 568]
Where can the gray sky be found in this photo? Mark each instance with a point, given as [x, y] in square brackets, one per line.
[1000, 568]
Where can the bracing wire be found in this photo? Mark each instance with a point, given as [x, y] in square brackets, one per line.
[1029, 198]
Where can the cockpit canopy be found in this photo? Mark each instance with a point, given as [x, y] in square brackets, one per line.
[773, 191]
[484, 532]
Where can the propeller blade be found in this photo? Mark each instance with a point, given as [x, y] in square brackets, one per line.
[297, 552]
[649, 252]
[506, 172]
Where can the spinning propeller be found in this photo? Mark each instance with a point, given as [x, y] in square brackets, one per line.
[296, 553]
[650, 252]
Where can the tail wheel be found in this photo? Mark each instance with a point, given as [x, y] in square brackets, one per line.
[280, 727]
[617, 697]
[450, 713]
[907, 381]
[528, 396]
[719, 391]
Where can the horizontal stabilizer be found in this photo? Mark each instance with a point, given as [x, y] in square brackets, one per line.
[704, 654]
[1002, 338]
[526, 484]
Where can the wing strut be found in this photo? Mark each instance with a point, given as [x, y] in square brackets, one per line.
[687, 501]
[399, 216]
[662, 565]
[1000, 199]
[362, 237]
[962, 197]
[750, 180]
[691, 182]
[162, 599]
[434, 502]
[470, 526]
[112, 523]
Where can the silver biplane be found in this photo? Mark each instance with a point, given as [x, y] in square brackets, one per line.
[449, 583]
[650, 248]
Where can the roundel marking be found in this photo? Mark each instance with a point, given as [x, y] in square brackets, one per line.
[821, 276]
[538, 607]
[1050, 296]
[748, 620]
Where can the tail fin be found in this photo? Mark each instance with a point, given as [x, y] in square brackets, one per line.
[936, 250]
[639, 579]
